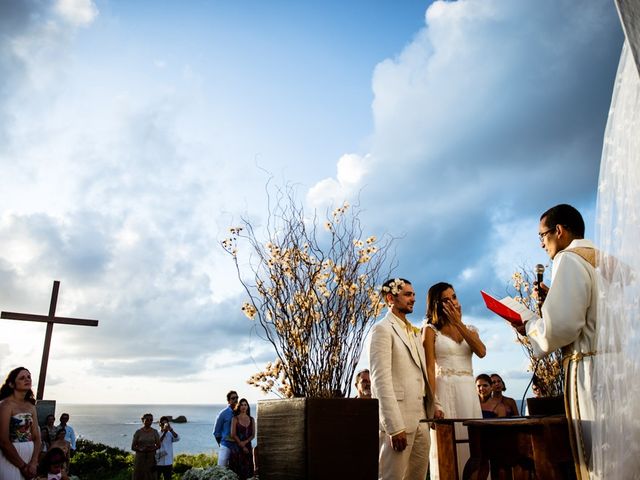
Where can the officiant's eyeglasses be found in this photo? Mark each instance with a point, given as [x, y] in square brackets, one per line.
[541, 235]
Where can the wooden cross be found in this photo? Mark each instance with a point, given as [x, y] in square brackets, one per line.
[50, 320]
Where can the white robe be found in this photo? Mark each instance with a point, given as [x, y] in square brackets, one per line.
[569, 319]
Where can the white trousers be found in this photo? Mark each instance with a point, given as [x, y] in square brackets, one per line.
[410, 464]
[223, 456]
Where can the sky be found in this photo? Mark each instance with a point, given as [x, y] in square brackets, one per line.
[133, 134]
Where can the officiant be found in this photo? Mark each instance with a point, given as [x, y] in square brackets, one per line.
[569, 320]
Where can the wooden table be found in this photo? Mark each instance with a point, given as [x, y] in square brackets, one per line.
[447, 447]
[520, 448]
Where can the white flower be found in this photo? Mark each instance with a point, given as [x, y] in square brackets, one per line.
[210, 473]
[249, 310]
[394, 287]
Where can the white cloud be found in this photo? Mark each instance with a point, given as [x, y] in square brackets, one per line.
[479, 122]
[120, 181]
[463, 107]
[351, 169]
[77, 12]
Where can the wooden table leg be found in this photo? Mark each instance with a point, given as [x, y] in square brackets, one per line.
[477, 467]
[447, 451]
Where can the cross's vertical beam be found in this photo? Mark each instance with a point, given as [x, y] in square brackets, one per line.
[47, 340]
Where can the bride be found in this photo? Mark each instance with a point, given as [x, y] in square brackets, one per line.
[449, 345]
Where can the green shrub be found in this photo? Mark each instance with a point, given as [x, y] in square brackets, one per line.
[96, 461]
[184, 462]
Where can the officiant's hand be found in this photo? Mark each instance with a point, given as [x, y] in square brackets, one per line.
[399, 441]
[539, 291]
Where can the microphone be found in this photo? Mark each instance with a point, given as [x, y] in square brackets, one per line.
[539, 274]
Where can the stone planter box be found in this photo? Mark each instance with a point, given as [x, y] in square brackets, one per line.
[317, 439]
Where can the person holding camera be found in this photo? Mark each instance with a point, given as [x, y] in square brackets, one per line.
[164, 455]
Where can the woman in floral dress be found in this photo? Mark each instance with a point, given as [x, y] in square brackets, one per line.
[19, 432]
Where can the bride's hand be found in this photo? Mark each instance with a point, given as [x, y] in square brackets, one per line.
[453, 313]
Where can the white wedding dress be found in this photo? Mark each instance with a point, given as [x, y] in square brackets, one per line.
[456, 391]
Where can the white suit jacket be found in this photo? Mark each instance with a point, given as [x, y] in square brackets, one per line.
[399, 376]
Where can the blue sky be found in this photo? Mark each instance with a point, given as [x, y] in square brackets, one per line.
[134, 133]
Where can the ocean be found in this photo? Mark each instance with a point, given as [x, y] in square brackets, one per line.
[114, 425]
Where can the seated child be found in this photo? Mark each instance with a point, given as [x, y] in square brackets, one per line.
[52, 465]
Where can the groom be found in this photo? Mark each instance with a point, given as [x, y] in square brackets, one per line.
[399, 382]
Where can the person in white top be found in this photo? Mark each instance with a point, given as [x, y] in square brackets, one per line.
[569, 320]
[164, 455]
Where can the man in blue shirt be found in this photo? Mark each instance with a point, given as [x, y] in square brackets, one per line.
[70, 434]
[222, 430]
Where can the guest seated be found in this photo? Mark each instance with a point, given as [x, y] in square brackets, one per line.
[489, 406]
[52, 465]
[48, 433]
[363, 384]
[535, 386]
[537, 389]
[498, 386]
[60, 443]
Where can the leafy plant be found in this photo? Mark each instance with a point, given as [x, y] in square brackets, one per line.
[98, 461]
[183, 462]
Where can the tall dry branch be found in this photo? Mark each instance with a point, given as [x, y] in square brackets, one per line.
[314, 290]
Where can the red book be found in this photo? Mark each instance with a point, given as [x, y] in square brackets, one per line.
[509, 309]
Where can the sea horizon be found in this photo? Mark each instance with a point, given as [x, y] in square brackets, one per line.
[114, 424]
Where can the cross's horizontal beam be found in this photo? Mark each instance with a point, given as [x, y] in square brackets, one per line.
[46, 319]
